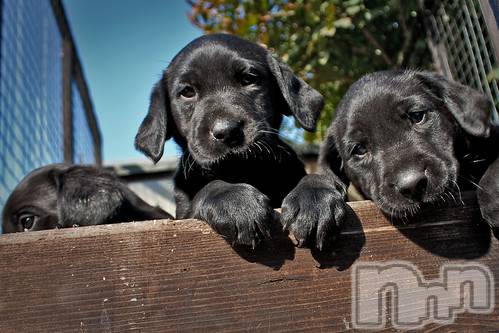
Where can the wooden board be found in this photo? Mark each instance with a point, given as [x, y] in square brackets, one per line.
[162, 276]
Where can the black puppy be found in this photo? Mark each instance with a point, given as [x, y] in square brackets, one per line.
[406, 139]
[61, 196]
[222, 99]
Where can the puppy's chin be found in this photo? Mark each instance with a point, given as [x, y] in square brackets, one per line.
[257, 146]
[210, 157]
[398, 211]
[444, 193]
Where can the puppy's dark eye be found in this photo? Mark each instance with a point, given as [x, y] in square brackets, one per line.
[188, 92]
[359, 150]
[27, 221]
[248, 79]
[417, 117]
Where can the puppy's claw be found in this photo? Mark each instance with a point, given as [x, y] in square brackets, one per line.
[293, 239]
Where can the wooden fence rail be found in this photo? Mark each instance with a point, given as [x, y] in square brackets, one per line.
[160, 276]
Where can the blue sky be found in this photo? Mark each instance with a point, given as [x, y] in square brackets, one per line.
[124, 45]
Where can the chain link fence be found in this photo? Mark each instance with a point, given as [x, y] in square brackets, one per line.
[464, 41]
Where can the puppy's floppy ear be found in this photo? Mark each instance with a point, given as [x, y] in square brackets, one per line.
[304, 102]
[470, 108]
[85, 198]
[153, 132]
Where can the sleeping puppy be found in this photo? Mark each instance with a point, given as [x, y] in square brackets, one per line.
[61, 196]
[407, 139]
[222, 100]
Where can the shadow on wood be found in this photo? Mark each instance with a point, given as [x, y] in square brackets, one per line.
[272, 253]
[459, 233]
[347, 248]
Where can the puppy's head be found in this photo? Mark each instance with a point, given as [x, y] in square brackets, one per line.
[219, 96]
[33, 203]
[394, 134]
[61, 196]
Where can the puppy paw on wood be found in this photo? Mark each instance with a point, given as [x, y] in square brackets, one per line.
[239, 212]
[314, 211]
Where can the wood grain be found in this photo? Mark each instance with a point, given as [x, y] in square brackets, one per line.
[162, 276]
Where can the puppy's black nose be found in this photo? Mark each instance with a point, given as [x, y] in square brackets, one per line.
[412, 184]
[230, 132]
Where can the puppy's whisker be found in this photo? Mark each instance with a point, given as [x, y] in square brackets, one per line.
[446, 194]
[472, 183]
[453, 197]
[286, 150]
[443, 198]
[273, 152]
[269, 132]
[478, 161]
[456, 185]
[265, 146]
[265, 125]
[467, 156]
[258, 145]
[272, 130]
[191, 164]
[185, 165]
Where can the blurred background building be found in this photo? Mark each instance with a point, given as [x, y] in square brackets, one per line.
[152, 182]
[46, 113]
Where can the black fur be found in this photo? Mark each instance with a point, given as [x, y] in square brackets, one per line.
[222, 99]
[62, 196]
[408, 139]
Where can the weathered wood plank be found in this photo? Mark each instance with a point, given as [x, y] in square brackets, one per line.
[161, 276]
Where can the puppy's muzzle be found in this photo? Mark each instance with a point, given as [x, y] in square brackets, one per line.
[229, 132]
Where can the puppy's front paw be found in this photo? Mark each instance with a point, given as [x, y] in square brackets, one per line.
[238, 212]
[314, 210]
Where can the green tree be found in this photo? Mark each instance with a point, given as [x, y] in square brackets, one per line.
[329, 43]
